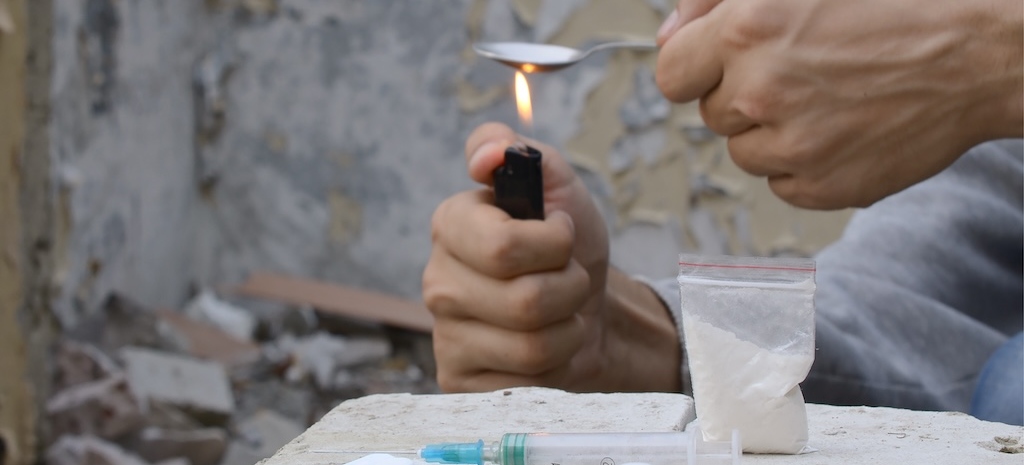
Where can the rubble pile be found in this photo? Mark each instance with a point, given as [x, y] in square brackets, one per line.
[220, 383]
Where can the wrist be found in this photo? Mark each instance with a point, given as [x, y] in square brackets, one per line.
[642, 347]
[994, 52]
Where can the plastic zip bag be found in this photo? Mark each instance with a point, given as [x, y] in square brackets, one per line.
[748, 325]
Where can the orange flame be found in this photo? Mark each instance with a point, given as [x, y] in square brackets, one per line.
[523, 102]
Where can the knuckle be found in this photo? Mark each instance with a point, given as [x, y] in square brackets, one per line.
[579, 280]
[450, 375]
[449, 382]
[666, 76]
[744, 156]
[526, 303]
[757, 100]
[439, 297]
[562, 242]
[533, 354]
[795, 149]
[501, 252]
[437, 221]
[798, 192]
[712, 116]
[661, 77]
[751, 23]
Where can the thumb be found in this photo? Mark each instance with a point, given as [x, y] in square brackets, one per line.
[485, 151]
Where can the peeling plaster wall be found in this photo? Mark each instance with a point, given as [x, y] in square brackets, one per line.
[195, 141]
[122, 149]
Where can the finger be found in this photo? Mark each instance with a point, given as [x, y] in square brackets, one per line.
[718, 108]
[526, 303]
[487, 381]
[686, 11]
[830, 188]
[752, 151]
[485, 151]
[690, 65]
[472, 346]
[489, 241]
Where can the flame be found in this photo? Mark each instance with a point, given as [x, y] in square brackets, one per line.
[523, 102]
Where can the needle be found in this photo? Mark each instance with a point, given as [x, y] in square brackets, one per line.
[340, 451]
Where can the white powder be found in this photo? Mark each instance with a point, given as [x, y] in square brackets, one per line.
[738, 385]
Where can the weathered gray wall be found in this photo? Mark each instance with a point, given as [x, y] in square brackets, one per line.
[122, 144]
[194, 141]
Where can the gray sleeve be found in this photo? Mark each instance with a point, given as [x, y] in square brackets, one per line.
[923, 287]
[920, 290]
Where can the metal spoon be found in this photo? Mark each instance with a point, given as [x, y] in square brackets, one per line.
[540, 58]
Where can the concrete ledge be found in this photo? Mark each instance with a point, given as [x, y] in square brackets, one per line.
[847, 435]
[870, 435]
[404, 421]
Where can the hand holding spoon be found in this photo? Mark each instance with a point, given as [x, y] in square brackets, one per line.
[540, 58]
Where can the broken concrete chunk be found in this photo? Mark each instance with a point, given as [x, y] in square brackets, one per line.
[239, 453]
[165, 416]
[292, 402]
[201, 447]
[199, 387]
[206, 341]
[82, 363]
[107, 408]
[79, 450]
[229, 318]
[266, 431]
[122, 322]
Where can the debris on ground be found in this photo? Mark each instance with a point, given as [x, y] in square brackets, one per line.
[233, 320]
[142, 386]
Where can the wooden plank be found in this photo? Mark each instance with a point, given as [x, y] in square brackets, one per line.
[18, 401]
[338, 299]
[210, 343]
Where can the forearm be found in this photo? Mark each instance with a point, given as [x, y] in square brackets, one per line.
[642, 343]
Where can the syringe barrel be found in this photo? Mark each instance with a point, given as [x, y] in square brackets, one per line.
[671, 448]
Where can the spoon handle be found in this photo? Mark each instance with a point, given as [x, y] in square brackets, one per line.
[634, 44]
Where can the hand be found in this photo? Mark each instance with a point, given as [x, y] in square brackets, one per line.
[526, 303]
[842, 103]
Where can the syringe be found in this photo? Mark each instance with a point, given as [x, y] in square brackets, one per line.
[672, 448]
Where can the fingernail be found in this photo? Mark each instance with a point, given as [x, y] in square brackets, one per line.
[669, 25]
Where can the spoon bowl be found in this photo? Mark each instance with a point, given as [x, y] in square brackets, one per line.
[541, 58]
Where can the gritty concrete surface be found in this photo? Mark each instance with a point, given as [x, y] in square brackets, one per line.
[846, 435]
[403, 421]
[866, 435]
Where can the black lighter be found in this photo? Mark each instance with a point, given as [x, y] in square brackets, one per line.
[518, 184]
